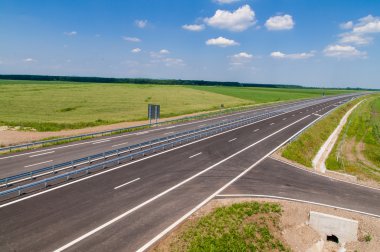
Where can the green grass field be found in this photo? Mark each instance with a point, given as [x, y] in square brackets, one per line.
[53, 106]
[307, 145]
[249, 226]
[357, 150]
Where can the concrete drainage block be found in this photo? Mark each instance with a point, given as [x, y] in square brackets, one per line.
[334, 228]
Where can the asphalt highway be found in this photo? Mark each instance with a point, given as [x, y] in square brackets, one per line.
[128, 207]
[15, 163]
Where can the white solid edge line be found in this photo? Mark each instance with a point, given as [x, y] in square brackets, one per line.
[319, 174]
[172, 226]
[139, 160]
[38, 163]
[84, 236]
[196, 155]
[42, 154]
[150, 130]
[117, 187]
[296, 200]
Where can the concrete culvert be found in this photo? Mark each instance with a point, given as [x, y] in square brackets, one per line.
[332, 238]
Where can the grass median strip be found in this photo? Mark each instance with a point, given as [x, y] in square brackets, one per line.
[247, 226]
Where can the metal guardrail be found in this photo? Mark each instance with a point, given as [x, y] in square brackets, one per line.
[121, 130]
[104, 155]
[203, 132]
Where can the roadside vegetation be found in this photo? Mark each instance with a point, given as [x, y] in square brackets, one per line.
[306, 146]
[247, 226]
[357, 150]
[54, 106]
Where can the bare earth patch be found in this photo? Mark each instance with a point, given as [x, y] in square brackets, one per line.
[295, 231]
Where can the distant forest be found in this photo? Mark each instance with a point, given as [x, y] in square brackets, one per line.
[148, 81]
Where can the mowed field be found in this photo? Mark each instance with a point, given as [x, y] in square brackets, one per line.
[53, 106]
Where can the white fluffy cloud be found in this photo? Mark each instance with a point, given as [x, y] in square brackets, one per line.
[29, 60]
[368, 24]
[226, 1]
[278, 23]
[359, 32]
[222, 42]
[343, 51]
[193, 27]
[136, 50]
[141, 23]
[354, 38]
[71, 33]
[131, 39]
[240, 59]
[164, 51]
[346, 26]
[238, 20]
[295, 56]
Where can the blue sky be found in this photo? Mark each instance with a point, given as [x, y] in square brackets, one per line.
[329, 43]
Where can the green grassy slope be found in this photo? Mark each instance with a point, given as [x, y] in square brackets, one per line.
[357, 150]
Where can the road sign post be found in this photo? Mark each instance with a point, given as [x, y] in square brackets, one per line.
[153, 112]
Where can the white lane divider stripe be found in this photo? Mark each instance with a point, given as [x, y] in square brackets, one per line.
[119, 144]
[117, 187]
[232, 140]
[101, 141]
[256, 130]
[196, 155]
[167, 133]
[42, 154]
[38, 163]
[271, 124]
[284, 119]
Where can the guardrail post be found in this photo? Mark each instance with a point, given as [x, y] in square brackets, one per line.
[6, 182]
[19, 192]
[31, 175]
[117, 152]
[54, 169]
[67, 177]
[89, 160]
[72, 164]
[104, 156]
[45, 184]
